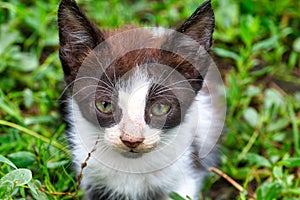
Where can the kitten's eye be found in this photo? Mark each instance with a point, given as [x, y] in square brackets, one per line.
[160, 109]
[105, 107]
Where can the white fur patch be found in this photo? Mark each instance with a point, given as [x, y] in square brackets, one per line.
[159, 32]
[132, 100]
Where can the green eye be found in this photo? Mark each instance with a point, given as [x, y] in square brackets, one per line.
[105, 107]
[160, 109]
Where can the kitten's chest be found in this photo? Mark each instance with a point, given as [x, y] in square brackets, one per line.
[116, 185]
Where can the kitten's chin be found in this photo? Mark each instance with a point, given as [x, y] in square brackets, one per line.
[131, 154]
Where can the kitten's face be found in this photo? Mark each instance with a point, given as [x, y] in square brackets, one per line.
[142, 113]
[136, 107]
[134, 85]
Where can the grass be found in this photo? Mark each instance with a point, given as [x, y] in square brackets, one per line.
[256, 46]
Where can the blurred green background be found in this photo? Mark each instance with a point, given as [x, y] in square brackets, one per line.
[256, 46]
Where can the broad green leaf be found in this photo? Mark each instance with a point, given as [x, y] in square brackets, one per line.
[248, 28]
[253, 91]
[7, 37]
[32, 188]
[22, 158]
[37, 194]
[258, 160]
[273, 97]
[18, 176]
[26, 62]
[38, 119]
[278, 125]
[226, 53]
[279, 136]
[52, 165]
[290, 162]
[265, 44]
[28, 98]
[277, 172]
[269, 191]
[251, 117]
[296, 45]
[40, 195]
[5, 160]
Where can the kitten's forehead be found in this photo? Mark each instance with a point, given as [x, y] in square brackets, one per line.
[133, 80]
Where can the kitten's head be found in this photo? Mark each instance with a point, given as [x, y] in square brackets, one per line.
[136, 85]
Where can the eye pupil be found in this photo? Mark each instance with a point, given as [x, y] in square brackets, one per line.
[105, 104]
[160, 109]
[104, 107]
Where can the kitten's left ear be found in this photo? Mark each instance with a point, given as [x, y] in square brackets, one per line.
[77, 37]
[200, 25]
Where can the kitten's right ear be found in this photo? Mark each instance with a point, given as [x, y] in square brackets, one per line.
[77, 37]
[200, 25]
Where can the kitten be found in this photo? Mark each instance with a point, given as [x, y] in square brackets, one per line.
[139, 105]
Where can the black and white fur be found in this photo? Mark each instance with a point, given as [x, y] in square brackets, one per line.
[133, 154]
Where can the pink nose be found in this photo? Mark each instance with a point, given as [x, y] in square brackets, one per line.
[130, 141]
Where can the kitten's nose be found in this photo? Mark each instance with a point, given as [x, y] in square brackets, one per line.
[130, 141]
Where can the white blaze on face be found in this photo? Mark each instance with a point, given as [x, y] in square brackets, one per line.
[132, 101]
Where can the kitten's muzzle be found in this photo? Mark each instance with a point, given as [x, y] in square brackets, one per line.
[131, 141]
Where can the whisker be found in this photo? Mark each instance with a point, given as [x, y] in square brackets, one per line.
[173, 70]
[105, 90]
[97, 58]
[73, 95]
[182, 81]
[115, 76]
[156, 85]
[70, 84]
[162, 96]
[81, 78]
[174, 88]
